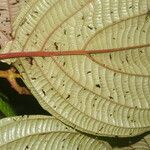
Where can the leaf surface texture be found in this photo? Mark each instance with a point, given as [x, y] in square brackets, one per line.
[9, 10]
[44, 133]
[103, 94]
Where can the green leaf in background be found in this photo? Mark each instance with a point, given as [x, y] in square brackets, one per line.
[5, 108]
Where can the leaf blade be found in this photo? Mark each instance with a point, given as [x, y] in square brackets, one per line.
[43, 132]
[76, 88]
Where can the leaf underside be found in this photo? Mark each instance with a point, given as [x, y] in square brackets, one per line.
[44, 133]
[8, 11]
[102, 94]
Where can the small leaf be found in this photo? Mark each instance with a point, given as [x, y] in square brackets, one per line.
[5, 108]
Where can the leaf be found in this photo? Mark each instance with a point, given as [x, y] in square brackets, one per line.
[143, 144]
[103, 94]
[44, 133]
[5, 108]
[8, 11]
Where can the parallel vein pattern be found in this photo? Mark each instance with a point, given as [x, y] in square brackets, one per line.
[44, 133]
[103, 94]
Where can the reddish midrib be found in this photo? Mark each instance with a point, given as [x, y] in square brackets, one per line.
[64, 53]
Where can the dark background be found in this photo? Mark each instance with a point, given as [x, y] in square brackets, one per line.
[22, 104]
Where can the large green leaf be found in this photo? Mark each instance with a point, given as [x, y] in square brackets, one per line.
[103, 94]
[44, 133]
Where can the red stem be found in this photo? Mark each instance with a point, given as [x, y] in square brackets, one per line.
[64, 53]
